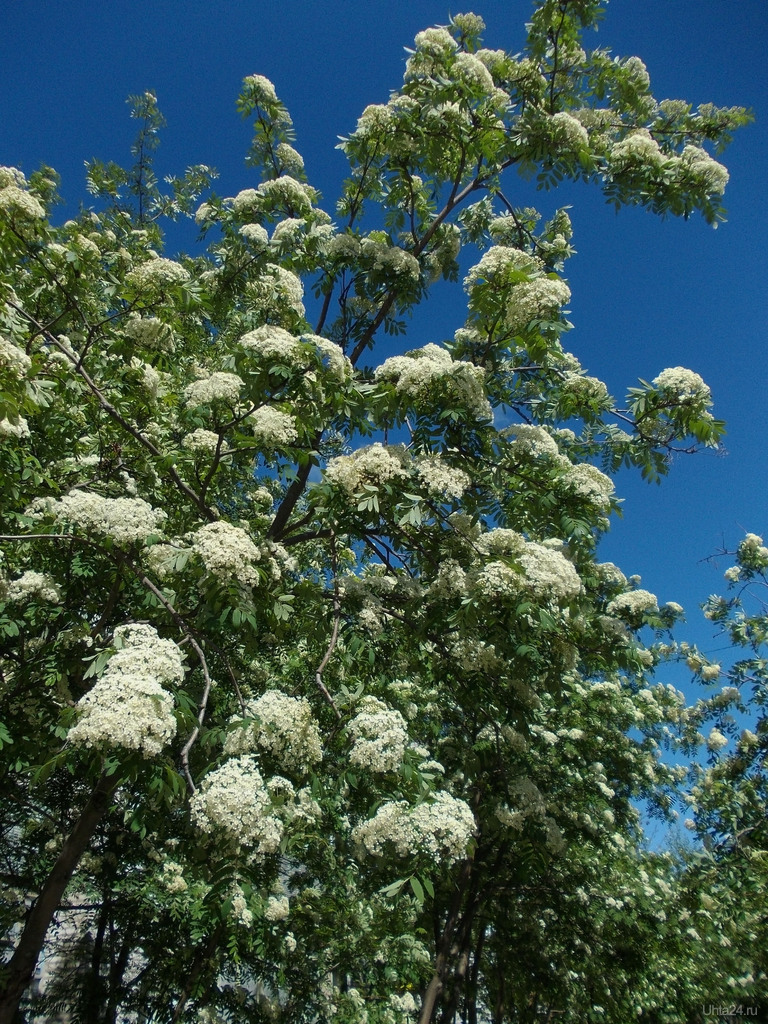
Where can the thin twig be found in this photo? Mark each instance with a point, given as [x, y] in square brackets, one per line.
[110, 409]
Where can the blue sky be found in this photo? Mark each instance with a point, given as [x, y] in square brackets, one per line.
[646, 294]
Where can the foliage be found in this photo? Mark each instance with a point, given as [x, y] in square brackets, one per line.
[317, 703]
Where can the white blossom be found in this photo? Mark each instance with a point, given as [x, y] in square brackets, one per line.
[234, 800]
[201, 440]
[278, 908]
[684, 385]
[632, 604]
[374, 465]
[124, 520]
[261, 88]
[128, 706]
[430, 373]
[17, 202]
[441, 480]
[539, 569]
[18, 429]
[157, 275]
[716, 740]
[379, 737]
[441, 829]
[282, 725]
[533, 441]
[272, 428]
[713, 176]
[227, 552]
[14, 359]
[34, 584]
[218, 387]
[272, 344]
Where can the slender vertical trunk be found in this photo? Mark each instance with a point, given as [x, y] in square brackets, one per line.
[199, 964]
[460, 953]
[17, 974]
[474, 977]
[435, 987]
[116, 973]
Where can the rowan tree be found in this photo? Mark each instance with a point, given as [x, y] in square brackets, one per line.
[318, 703]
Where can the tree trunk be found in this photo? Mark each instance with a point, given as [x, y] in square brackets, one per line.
[17, 974]
[435, 987]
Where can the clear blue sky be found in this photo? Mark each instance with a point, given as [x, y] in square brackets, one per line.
[646, 294]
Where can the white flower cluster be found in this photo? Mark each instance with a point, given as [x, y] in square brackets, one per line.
[18, 429]
[529, 298]
[158, 274]
[473, 73]
[498, 263]
[430, 372]
[633, 604]
[584, 388]
[271, 344]
[290, 160]
[536, 300]
[380, 736]
[283, 192]
[277, 292]
[227, 552]
[389, 259]
[255, 235]
[434, 47]
[331, 356]
[235, 801]
[377, 256]
[128, 706]
[33, 584]
[124, 520]
[716, 740]
[441, 480]
[149, 332]
[683, 385]
[710, 174]
[15, 200]
[172, 878]
[638, 148]
[374, 465]
[201, 440]
[278, 908]
[532, 441]
[260, 88]
[567, 132]
[282, 725]
[638, 73]
[437, 42]
[272, 428]
[751, 554]
[375, 118]
[12, 176]
[590, 483]
[14, 359]
[441, 830]
[544, 571]
[218, 387]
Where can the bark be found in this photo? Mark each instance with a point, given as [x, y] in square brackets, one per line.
[18, 973]
[201, 961]
[437, 982]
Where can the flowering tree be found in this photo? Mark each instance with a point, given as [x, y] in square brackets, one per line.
[316, 697]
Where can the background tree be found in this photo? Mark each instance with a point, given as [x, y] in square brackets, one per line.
[316, 699]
